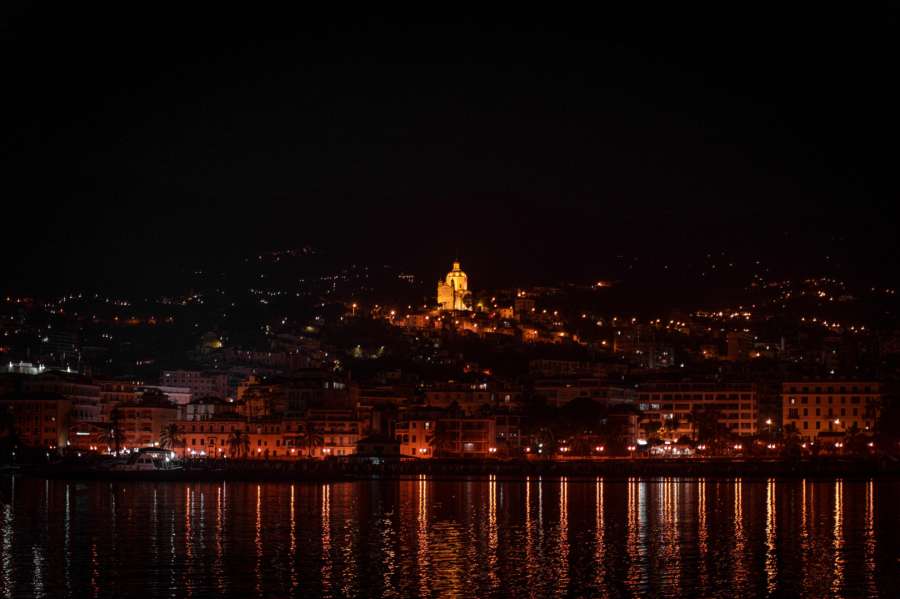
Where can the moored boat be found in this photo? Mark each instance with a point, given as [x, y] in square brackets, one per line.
[148, 459]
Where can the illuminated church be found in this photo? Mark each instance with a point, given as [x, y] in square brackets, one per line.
[453, 292]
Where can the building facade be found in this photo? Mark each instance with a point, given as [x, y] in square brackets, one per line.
[453, 292]
[818, 407]
[142, 423]
[676, 410]
[200, 383]
[41, 418]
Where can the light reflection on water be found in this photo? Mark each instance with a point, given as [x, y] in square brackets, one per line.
[430, 537]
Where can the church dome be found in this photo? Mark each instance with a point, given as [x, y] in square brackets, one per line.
[457, 278]
[453, 292]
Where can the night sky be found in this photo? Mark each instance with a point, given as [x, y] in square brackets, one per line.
[536, 148]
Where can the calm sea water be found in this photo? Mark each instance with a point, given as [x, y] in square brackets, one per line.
[427, 537]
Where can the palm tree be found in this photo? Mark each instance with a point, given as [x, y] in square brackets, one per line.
[239, 443]
[854, 440]
[112, 434]
[170, 437]
[441, 442]
[311, 440]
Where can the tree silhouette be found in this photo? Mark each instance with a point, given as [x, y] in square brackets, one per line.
[239, 443]
[310, 439]
[170, 437]
[112, 434]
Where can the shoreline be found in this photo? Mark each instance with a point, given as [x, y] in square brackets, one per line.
[466, 469]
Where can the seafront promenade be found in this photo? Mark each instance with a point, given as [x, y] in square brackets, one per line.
[320, 470]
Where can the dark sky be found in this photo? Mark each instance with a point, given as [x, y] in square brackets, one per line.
[533, 145]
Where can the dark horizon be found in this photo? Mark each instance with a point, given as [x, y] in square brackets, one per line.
[538, 151]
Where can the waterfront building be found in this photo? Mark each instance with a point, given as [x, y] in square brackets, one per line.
[142, 422]
[682, 409]
[211, 436]
[416, 436]
[466, 437]
[816, 407]
[83, 392]
[338, 429]
[508, 430]
[41, 418]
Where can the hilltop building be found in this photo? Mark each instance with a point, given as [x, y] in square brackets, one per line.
[453, 292]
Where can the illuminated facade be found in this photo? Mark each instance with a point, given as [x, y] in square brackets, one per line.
[142, 423]
[830, 407]
[675, 409]
[453, 292]
[40, 418]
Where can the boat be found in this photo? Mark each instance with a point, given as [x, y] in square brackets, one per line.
[148, 459]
